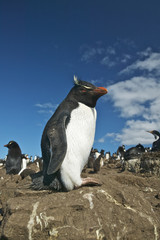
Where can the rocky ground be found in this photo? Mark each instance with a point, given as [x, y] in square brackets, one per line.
[126, 206]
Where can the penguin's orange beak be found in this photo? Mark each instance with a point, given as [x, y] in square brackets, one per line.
[6, 145]
[100, 91]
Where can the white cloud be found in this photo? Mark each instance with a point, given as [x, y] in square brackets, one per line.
[125, 58]
[89, 53]
[111, 135]
[138, 96]
[150, 63]
[101, 140]
[44, 108]
[137, 100]
[147, 52]
[108, 56]
[46, 105]
[111, 50]
[134, 132]
[96, 81]
[107, 62]
[101, 54]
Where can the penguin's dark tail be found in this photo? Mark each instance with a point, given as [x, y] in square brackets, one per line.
[49, 182]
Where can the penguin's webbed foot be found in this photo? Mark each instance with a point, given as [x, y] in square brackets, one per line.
[90, 182]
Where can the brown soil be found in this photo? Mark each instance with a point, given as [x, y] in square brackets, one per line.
[126, 206]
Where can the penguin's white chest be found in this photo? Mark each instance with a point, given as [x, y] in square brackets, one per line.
[80, 134]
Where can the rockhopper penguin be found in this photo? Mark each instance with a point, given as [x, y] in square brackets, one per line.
[14, 158]
[68, 138]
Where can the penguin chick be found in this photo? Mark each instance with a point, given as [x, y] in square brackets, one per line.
[68, 138]
[14, 158]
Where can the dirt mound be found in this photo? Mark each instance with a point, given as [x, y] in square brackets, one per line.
[126, 206]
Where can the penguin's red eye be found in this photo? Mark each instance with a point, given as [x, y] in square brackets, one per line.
[83, 90]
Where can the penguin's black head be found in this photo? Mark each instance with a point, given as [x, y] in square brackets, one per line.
[86, 92]
[12, 144]
[155, 133]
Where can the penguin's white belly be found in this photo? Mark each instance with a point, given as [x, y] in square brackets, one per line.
[80, 134]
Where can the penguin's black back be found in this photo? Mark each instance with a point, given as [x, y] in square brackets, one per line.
[134, 152]
[60, 144]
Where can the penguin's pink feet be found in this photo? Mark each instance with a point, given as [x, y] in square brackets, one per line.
[90, 181]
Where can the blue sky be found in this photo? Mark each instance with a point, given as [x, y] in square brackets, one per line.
[115, 44]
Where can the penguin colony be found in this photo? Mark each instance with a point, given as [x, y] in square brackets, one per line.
[67, 142]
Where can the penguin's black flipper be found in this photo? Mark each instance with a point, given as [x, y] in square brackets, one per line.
[58, 143]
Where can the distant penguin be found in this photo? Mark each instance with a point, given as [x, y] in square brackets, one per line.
[24, 162]
[121, 152]
[107, 156]
[2, 163]
[102, 158]
[97, 164]
[134, 152]
[91, 159]
[156, 144]
[96, 153]
[39, 163]
[14, 158]
[68, 138]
